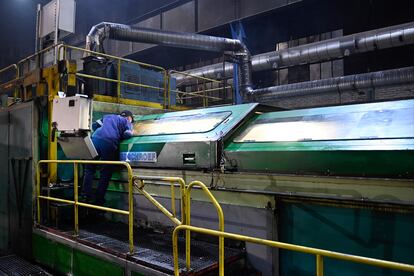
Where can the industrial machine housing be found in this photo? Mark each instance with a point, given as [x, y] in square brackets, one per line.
[270, 173]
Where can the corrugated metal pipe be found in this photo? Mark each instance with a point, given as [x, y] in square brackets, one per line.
[388, 37]
[106, 30]
[339, 84]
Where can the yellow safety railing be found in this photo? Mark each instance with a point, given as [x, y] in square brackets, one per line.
[203, 91]
[188, 221]
[63, 48]
[200, 93]
[319, 253]
[139, 182]
[37, 54]
[185, 191]
[75, 201]
[11, 67]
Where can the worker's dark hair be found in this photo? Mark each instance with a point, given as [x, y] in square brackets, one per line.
[127, 113]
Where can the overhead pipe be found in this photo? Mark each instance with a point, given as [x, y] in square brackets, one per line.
[334, 48]
[339, 84]
[106, 30]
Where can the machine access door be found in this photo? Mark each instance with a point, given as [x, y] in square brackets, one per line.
[4, 180]
[16, 178]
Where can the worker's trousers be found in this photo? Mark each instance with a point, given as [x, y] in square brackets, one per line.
[107, 152]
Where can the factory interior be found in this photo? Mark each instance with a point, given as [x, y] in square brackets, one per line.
[206, 137]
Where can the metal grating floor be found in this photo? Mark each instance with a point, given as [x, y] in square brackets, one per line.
[153, 249]
[16, 266]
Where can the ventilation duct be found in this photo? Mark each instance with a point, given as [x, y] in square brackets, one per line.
[339, 84]
[384, 38]
[105, 30]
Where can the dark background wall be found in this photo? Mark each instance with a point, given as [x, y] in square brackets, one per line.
[18, 21]
[267, 23]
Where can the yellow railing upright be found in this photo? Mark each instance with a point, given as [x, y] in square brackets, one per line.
[188, 222]
[139, 183]
[75, 202]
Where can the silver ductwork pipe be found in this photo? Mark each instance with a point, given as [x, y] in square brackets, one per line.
[339, 84]
[335, 48]
[106, 30]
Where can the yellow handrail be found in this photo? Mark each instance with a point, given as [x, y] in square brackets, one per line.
[221, 224]
[76, 203]
[118, 81]
[196, 94]
[139, 182]
[38, 53]
[111, 56]
[319, 253]
[5, 69]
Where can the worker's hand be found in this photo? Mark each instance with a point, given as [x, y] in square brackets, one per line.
[128, 134]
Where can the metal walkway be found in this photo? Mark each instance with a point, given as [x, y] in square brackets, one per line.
[13, 265]
[153, 249]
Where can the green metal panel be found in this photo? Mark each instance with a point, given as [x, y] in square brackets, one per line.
[52, 254]
[85, 264]
[365, 232]
[168, 140]
[343, 143]
[66, 260]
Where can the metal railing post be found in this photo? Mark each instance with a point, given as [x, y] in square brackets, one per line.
[119, 80]
[172, 216]
[38, 192]
[165, 89]
[319, 265]
[221, 224]
[75, 195]
[131, 209]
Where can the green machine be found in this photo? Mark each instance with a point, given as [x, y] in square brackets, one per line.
[188, 139]
[371, 140]
[354, 140]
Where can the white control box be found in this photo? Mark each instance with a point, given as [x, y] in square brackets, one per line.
[72, 113]
[62, 12]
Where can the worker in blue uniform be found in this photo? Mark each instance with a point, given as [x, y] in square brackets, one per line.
[108, 132]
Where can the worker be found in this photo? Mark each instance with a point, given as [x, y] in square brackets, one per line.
[108, 132]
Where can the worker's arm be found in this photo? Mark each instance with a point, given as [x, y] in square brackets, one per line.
[97, 124]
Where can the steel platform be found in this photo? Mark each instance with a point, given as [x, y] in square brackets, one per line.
[13, 265]
[152, 249]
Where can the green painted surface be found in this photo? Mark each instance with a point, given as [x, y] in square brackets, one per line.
[398, 164]
[51, 254]
[364, 232]
[375, 140]
[85, 264]
[66, 260]
[133, 273]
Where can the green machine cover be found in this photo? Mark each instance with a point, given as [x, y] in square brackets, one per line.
[186, 139]
[370, 140]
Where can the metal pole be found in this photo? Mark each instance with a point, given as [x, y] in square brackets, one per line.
[130, 209]
[319, 265]
[38, 192]
[119, 81]
[38, 13]
[57, 15]
[75, 192]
